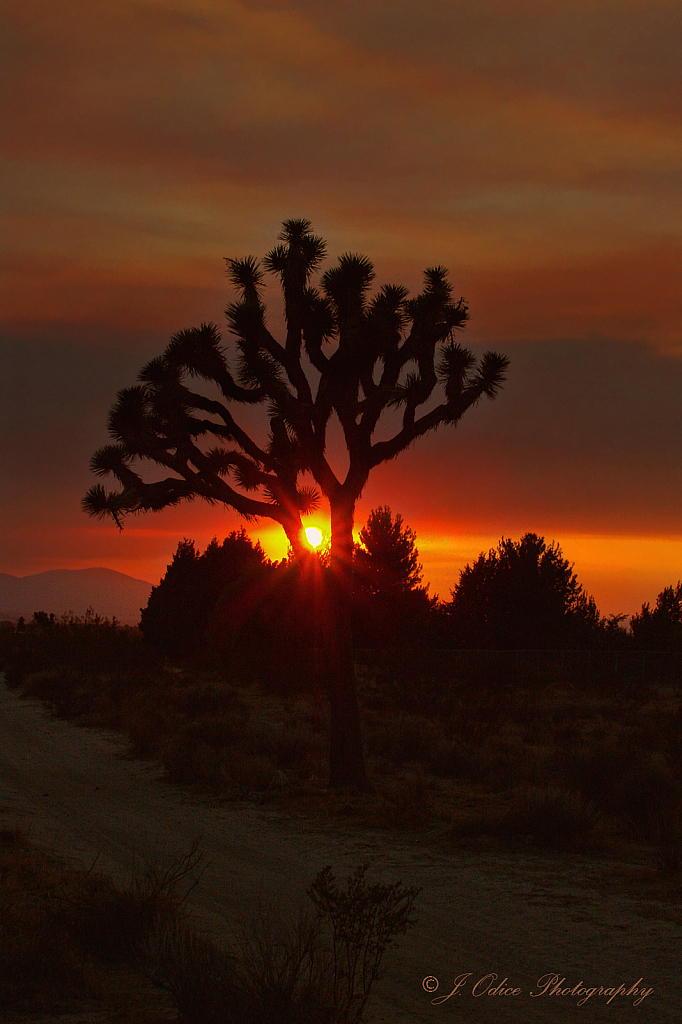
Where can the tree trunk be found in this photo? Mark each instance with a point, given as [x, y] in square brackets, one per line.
[346, 758]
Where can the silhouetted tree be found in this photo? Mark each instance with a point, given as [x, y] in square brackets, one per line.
[267, 632]
[391, 605]
[386, 559]
[522, 594]
[367, 355]
[660, 628]
[614, 633]
[179, 609]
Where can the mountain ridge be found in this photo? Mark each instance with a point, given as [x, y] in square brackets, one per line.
[61, 591]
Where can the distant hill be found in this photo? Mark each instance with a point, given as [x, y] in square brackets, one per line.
[108, 592]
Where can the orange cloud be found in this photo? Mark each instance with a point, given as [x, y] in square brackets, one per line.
[152, 130]
[630, 295]
[155, 299]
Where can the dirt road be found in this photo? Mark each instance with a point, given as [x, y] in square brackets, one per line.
[523, 917]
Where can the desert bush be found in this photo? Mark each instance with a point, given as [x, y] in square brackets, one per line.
[283, 968]
[669, 845]
[108, 698]
[70, 692]
[497, 761]
[625, 782]
[297, 746]
[36, 956]
[649, 798]
[215, 753]
[208, 700]
[672, 732]
[273, 973]
[405, 802]
[287, 743]
[64, 930]
[205, 732]
[552, 816]
[149, 727]
[88, 643]
[475, 715]
[450, 759]
[317, 968]
[248, 772]
[364, 921]
[402, 738]
[194, 970]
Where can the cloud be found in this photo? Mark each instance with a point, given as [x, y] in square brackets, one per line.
[533, 148]
[630, 295]
[611, 56]
[161, 123]
[214, 89]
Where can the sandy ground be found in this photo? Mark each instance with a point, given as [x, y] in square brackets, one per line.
[521, 916]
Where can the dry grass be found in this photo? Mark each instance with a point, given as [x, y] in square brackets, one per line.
[232, 741]
[315, 968]
[471, 756]
[551, 816]
[71, 941]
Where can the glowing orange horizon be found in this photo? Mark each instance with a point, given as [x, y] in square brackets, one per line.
[621, 572]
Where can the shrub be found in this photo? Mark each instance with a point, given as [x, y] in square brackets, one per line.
[318, 969]
[364, 921]
[626, 782]
[406, 801]
[403, 738]
[554, 817]
[63, 931]
[88, 643]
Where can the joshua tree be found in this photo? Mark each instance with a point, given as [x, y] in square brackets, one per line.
[344, 353]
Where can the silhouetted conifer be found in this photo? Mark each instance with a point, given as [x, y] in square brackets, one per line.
[521, 595]
[660, 628]
[180, 608]
[391, 606]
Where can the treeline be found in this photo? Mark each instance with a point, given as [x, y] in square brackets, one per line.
[230, 604]
[86, 643]
[231, 608]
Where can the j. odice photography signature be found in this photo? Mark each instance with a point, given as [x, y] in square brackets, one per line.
[547, 985]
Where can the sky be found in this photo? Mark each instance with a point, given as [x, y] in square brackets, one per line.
[533, 148]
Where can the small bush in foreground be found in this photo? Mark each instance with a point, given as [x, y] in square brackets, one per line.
[277, 974]
[364, 921]
[317, 970]
[71, 939]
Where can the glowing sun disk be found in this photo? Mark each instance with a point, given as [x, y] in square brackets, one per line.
[314, 536]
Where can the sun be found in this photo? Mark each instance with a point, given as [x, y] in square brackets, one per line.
[313, 536]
